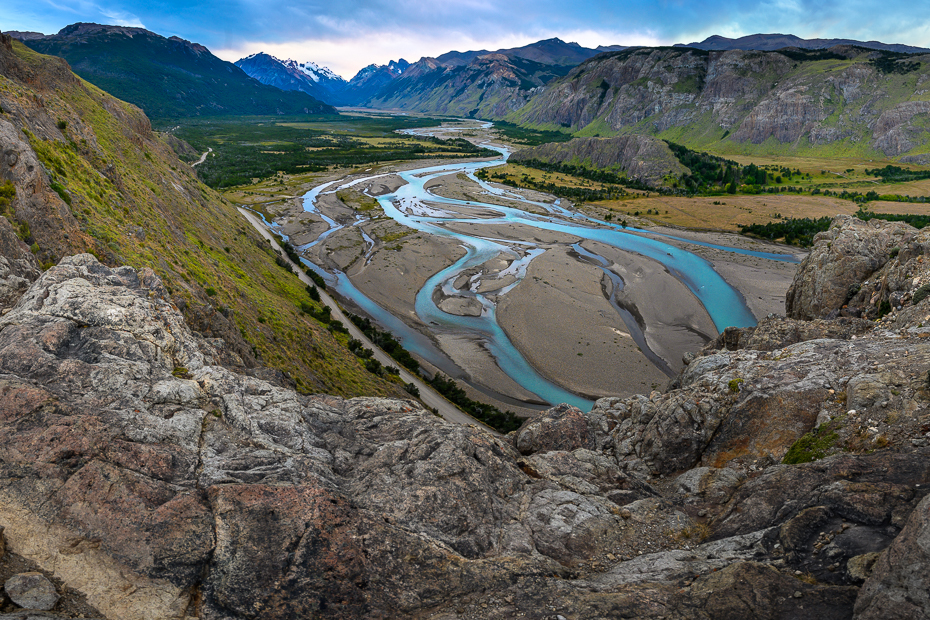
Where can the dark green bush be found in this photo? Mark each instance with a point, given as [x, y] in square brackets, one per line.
[921, 294]
[59, 189]
[503, 421]
[812, 446]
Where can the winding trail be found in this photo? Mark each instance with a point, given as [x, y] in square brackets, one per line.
[429, 396]
[202, 159]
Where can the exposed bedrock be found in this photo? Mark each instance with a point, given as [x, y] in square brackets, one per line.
[783, 475]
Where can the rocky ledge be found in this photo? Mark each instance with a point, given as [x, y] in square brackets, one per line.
[783, 475]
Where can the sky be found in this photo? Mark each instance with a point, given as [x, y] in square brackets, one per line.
[346, 35]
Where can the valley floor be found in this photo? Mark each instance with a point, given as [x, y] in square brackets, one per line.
[559, 316]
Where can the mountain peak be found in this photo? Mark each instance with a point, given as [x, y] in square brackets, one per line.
[777, 41]
[84, 28]
[289, 74]
[131, 63]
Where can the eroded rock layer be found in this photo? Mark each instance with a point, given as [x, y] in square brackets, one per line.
[138, 470]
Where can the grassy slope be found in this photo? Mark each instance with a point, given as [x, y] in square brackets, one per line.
[169, 78]
[149, 210]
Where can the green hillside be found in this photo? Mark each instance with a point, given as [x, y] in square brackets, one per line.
[114, 188]
[168, 77]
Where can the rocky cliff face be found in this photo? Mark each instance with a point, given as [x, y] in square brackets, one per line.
[804, 100]
[483, 84]
[640, 157]
[488, 86]
[475, 83]
[133, 461]
[861, 269]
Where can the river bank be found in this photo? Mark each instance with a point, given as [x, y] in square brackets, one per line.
[512, 284]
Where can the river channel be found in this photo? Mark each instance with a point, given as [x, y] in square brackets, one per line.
[414, 206]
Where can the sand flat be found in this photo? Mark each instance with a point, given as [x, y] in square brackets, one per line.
[674, 321]
[559, 319]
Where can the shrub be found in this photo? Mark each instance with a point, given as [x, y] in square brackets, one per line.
[372, 365]
[22, 231]
[62, 124]
[921, 294]
[884, 308]
[7, 193]
[59, 189]
[317, 278]
[211, 291]
[812, 446]
[337, 326]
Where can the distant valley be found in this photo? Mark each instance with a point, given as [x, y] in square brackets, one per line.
[540, 332]
[827, 97]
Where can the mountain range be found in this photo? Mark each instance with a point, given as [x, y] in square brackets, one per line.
[862, 98]
[463, 75]
[772, 42]
[845, 100]
[755, 93]
[166, 77]
[320, 82]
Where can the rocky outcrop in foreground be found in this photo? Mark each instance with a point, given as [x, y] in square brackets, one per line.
[141, 472]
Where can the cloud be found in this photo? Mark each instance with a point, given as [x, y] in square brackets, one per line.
[119, 18]
[349, 34]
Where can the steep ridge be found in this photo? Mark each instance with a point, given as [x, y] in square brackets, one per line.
[84, 172]
[371, 79]
[479, 83]
[547, 52]
[168, 77]
[773, 42]
[641, 157]
[318, 82]
[844, 100]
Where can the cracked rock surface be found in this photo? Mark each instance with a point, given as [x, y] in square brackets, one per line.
[143, 473]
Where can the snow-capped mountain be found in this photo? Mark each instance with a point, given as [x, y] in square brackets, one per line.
[372, 79]
[309, 77]
[314, 71]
